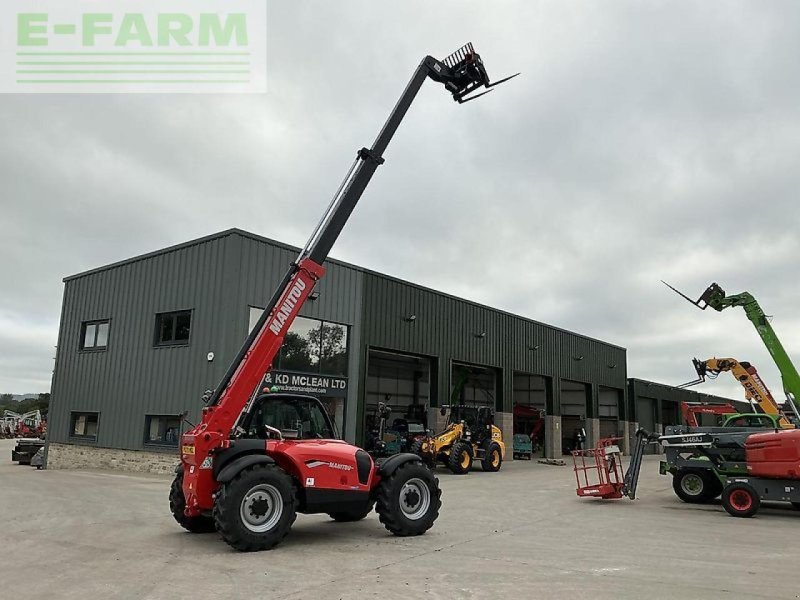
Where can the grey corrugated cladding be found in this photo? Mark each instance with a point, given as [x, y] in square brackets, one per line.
[447, 328]
[220, 275]
[217, 277]
[131, 377]
[641, 388]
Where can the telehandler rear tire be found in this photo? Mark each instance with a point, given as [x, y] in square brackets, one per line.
[177, 502]
[460, 459]
[408, 500]
[256, 509]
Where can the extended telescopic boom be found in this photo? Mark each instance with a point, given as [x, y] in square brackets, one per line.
[715, 297]
[461, 73]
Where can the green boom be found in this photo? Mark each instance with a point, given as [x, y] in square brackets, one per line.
[715, 297]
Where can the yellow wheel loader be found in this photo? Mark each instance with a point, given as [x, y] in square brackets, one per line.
[470, 435]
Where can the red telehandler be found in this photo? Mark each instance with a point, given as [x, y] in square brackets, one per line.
[257, 459]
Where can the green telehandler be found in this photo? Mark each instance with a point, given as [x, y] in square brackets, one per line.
[716, 298]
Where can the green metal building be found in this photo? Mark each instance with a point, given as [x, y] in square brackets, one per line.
[142, 339]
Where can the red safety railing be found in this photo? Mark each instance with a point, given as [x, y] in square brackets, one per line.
[598, 470]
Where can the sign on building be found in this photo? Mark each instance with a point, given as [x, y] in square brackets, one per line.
[305, 383]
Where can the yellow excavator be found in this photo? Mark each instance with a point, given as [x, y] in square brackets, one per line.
[755, 390]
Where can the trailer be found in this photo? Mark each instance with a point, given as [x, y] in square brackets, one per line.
[26, 449]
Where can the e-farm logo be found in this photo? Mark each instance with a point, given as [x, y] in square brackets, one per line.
[133, 46]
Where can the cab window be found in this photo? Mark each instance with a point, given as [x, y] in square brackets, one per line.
[296, 418]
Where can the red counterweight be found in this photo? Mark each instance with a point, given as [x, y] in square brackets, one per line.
[774, 455]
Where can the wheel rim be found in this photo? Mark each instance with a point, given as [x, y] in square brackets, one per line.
[261, 508]
[495, 458]
[741, 500]
[415, 498]
[464, 459]
[692, 484]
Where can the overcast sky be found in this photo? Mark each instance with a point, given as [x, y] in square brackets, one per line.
[644, 141]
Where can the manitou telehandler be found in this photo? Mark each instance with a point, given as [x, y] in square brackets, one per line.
[257, 459]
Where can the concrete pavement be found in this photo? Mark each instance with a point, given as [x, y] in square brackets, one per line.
[519, 533]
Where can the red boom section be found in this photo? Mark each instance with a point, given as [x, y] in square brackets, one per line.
[689, 411]
[217, 421]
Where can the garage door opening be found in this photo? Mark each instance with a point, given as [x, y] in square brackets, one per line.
[609, 401]
[670, 415]
[530, 405]
[646, 409]
[574, 397]
[473, 385]
[403, 382]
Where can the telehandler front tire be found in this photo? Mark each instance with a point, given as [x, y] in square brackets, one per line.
[256, 509]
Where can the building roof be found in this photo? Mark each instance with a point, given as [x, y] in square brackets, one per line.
[700, 396]
[262, 239]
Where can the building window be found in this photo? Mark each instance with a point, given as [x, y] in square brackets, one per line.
[162, 430]
[94, 335]
[310, 346]
[172, 329]
[83, 425]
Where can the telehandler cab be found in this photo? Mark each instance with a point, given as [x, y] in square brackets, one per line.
[255, 460]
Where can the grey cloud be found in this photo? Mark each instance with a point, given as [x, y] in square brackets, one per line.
[643, 142]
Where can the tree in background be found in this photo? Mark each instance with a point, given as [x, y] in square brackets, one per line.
[41, 403]
[295, 353]
[329, 342]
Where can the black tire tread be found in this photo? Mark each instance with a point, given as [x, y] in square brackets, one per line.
[453, 463]
[726, 494]
[703, 497]
[385, 508]
[428, 458]
[224, 520]
[177, 502]
[486, 463]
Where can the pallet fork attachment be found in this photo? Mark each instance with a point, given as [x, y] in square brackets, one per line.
[703, 302]
[468, 74]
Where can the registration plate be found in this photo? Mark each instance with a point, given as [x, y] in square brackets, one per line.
[187, 450]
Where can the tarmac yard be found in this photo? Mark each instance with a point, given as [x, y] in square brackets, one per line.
[519, 533]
